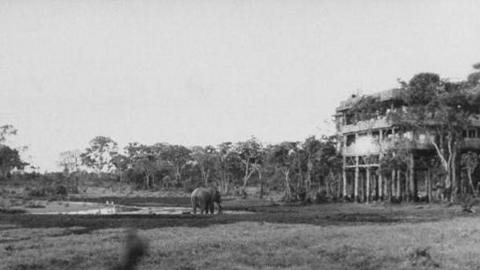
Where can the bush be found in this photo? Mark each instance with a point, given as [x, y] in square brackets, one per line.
[321, 197]
[12, 211]
[467, 202]
[55, 190]
[61, 190]
[302, 195]
[5, 204]
[37, 192]
[34, 204]
[188, 187]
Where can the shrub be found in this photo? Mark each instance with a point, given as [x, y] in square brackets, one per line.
[61, 190]
[49, 191]
[5, 204]
[188, 188]
[12, 211]
[321, 197]
[34, 204]
[37, 192]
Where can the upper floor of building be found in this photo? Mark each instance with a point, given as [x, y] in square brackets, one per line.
[372, 133]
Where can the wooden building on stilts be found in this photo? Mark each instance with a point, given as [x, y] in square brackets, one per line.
[363, 141]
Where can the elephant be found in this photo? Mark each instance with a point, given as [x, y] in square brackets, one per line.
[205, 198]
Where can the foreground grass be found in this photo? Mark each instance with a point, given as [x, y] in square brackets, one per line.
[453, 244]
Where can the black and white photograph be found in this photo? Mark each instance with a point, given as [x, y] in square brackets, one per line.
[239, 134]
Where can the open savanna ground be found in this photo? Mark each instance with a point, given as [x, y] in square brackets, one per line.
[330, 236]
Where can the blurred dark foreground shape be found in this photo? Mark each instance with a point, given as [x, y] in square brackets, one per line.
[135, 249]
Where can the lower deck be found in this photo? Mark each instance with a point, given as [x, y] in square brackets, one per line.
[364, 180]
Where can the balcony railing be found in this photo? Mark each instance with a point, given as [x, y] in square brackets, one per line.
[381, 122]
[365, 125]
[424, 144]
[471, 143]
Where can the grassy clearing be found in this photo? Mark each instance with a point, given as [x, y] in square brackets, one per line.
[452, 244]
[329, 236]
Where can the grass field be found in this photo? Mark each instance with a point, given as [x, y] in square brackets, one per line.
[330, 236]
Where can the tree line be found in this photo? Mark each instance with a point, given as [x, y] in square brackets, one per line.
[298, 169]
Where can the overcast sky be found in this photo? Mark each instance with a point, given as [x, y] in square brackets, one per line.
[205, 72]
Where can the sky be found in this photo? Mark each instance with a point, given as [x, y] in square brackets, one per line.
[204, 72]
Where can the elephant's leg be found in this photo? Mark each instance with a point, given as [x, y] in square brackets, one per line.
[212, 208]
[207, 207]
[203, 208]
[194, 206]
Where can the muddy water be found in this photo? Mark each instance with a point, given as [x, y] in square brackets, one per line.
[103, 209]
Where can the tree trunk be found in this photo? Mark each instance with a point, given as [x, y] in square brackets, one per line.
[429, 184]
[301, 180]
[412, 196]
[204, 177]
[288, 191]
[146, 181]
[261, 183]
[391, 194]
[355, 192]
[380, 186]
[399, 189]
[470, 181]
[226, 184]
[178, 175]
[308, 180]
[308, 185]
[454, 193]
[367, 193]
[245, 178]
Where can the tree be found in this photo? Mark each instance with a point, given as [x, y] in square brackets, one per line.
[312, 148]
[141, 160]
[421, 88]
[474, 78]
[229, 165]
[9, 157]
[441, 110]
[469, 161]
[328, 164]
[250, 154]
[9, 160]
[393, 161]
[6, 131]
[70, 161]
[177, 156]
[206, 158]
[284, 156]
[99, 154]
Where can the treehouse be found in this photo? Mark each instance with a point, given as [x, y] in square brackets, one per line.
[366, 135]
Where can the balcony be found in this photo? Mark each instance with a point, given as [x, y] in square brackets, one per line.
[368, 145]
[471, 143]
[365, 125]
[360, 151]
[382, 122]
